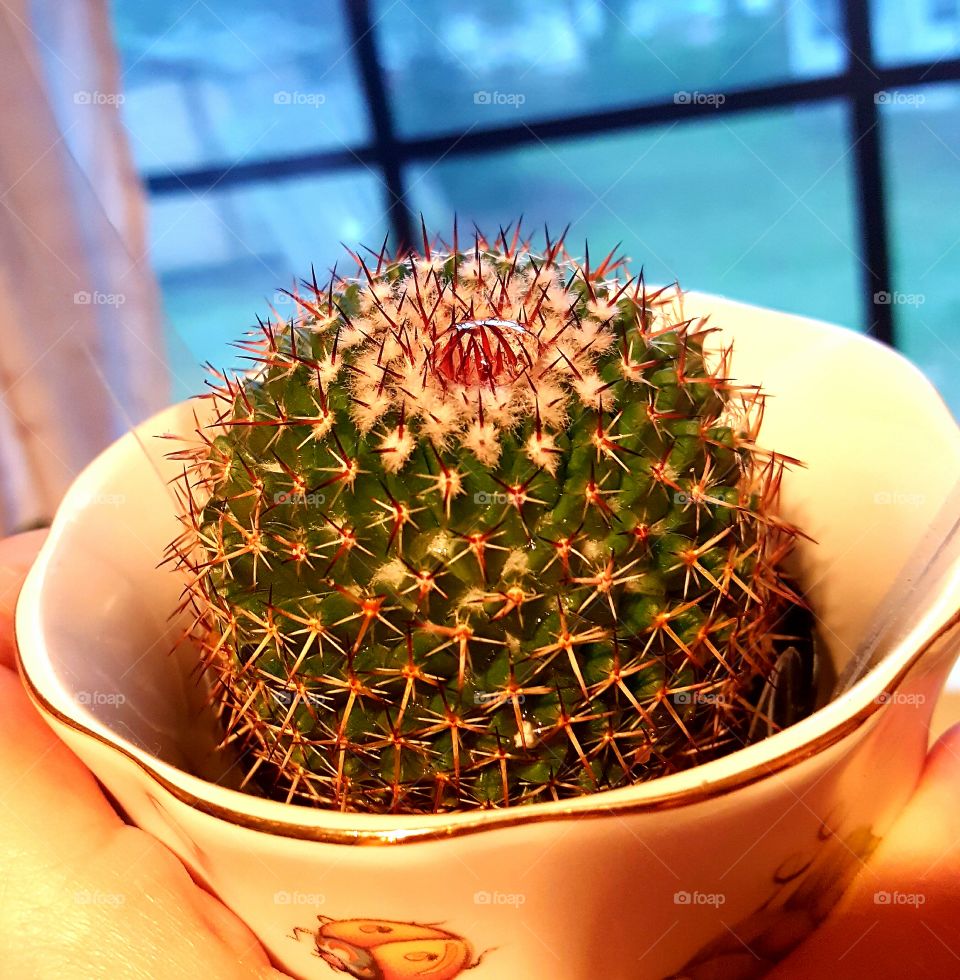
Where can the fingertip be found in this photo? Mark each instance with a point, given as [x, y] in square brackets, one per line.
[941, 772]
[948, 743]
[17, 554]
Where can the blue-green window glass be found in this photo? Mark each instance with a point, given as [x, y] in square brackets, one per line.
[921, 130]
[754, 207]
[225, 81]
[224, 255]
[906, 31]
[455, 64]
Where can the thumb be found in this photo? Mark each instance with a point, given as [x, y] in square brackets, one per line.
[918, 862]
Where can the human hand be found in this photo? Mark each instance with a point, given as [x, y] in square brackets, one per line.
[919, 861]
[84, 894]
[67, 859]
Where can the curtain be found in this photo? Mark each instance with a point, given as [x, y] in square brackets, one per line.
[81, 345]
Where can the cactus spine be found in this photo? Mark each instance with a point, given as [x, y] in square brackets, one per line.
[482, 526]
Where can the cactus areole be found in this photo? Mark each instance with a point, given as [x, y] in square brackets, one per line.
[482, 526]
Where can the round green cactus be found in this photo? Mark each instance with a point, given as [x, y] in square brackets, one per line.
[482, 527]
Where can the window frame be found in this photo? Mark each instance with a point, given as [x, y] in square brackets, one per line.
[858, 88]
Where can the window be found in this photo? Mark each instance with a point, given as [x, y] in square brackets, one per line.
[945, 11]
[801, 154]
[916, 31]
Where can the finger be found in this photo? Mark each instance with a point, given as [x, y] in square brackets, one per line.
[147, 911]
[901, 916]
[16, 557]
[46, 794]
[81, 888]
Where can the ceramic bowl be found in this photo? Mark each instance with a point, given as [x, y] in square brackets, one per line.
[716, 872]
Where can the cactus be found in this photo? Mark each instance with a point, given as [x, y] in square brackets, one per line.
[481, 527]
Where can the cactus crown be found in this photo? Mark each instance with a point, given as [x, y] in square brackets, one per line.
[482, 526]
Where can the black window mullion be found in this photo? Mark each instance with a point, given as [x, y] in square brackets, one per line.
[858, 86]
[599, 122]
[364, 42]
[873, 225]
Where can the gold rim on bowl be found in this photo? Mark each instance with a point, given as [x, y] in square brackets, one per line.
[494, 819]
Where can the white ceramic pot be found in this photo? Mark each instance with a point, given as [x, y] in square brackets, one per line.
[716, 872]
